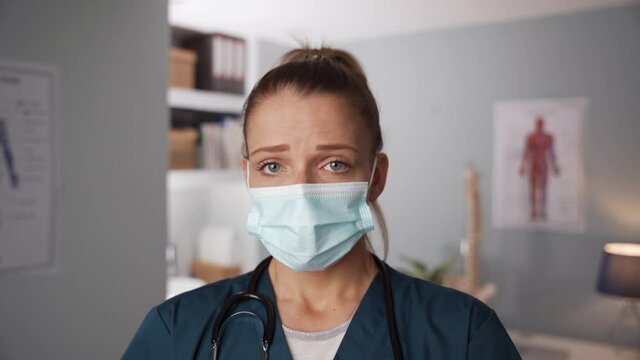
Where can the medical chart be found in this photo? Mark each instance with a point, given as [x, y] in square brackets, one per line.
[27, 166]
[538, 164]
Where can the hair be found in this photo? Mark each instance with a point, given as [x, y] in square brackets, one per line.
[323, 70]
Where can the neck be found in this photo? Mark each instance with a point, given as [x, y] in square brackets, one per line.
[349, 278]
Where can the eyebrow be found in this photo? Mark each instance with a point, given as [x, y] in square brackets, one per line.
[274, 148]
[335, 147]
[285, 147]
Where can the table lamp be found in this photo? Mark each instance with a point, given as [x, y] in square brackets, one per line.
[620, 275]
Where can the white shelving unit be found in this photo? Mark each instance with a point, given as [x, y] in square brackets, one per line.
[202, 100]
[211, 101]
[205, 100]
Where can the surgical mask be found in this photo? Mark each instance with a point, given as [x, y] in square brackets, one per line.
[309, 227]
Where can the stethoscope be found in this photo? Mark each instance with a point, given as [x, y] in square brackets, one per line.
[267, 336]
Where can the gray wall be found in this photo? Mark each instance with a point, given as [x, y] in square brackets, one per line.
[112, 124]
[435, 92]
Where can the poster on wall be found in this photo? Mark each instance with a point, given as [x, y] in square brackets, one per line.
[538, 170]
[27, 171]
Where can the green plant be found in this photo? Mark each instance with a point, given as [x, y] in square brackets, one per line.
[420, 270]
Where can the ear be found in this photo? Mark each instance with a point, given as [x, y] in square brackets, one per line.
[379, 177]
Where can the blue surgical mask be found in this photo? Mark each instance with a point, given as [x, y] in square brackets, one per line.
[309, 227]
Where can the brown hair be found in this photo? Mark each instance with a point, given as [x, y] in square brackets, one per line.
[320, 70]
[328, 70]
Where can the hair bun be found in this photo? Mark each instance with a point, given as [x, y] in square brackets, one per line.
[323, 53]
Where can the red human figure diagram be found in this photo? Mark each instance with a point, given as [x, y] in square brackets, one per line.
[537, 158]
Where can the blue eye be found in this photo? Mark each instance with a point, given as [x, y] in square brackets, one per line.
[336, 166]
[272, 167]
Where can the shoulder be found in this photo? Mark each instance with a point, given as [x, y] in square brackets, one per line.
[440, 304]
[200, 303]
[453, 324]
[185, 315]
[427, 292]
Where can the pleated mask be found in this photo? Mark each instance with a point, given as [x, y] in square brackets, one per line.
[309, 227]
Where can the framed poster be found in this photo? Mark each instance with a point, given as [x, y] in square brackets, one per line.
[28, 175]
[538, 170]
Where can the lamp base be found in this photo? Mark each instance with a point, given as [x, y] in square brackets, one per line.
[626, 325]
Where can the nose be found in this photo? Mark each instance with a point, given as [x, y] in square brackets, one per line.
[305, 172]
[302, 176]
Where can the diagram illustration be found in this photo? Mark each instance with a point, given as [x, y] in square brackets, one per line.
[537, 159]
[7, 156]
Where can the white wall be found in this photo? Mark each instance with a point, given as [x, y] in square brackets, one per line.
[112, 121]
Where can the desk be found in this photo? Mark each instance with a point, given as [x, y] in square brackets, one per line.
[538, 346]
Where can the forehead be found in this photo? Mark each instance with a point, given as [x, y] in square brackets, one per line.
[290, 118]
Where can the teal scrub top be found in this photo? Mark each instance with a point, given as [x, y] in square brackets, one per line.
[434, 322]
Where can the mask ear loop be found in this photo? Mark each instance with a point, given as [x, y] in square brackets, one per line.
[247, 178]
[373, 170]
[373, 205]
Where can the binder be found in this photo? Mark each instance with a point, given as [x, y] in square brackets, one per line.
[221, 62]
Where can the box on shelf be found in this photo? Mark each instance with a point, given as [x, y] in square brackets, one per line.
[182, 68]
[212, 273]
[221, 62]
[183, 149]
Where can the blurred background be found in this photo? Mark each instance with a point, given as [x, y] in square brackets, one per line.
[144, 196]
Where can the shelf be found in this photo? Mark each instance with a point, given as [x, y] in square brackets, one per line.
[202, 178]
[202, 100]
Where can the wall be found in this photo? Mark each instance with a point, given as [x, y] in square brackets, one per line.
[112, 121]
[269, 53]
[436, 90]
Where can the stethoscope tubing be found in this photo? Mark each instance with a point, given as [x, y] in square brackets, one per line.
[267, 337]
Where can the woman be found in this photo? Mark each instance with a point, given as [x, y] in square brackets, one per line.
[314, 169]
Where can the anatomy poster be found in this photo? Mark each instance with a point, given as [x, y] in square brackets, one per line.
[27, 171]
[538, 164]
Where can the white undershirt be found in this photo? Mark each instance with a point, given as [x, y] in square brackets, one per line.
[319, 345]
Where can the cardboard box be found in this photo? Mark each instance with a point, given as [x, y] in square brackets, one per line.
[182, 68]
[183, 149]
[212, 273]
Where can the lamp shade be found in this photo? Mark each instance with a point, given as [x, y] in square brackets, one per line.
[620, 270]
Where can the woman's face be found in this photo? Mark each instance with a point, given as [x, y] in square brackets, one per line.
[318, 138]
